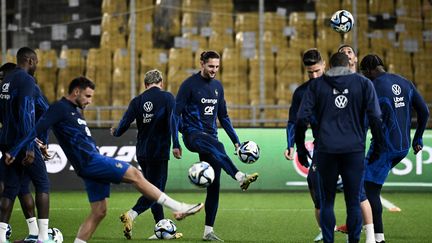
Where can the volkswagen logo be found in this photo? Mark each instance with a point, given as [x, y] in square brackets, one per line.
[341, 101]
[396, 89]
[148, 106]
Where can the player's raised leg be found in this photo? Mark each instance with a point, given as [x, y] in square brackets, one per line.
[181, 210]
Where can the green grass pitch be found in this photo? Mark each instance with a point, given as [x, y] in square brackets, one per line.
[242, 217]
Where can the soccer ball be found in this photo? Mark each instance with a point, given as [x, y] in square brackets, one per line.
[248, 152]
[55, 235]
[8, 232]
[201, 174]
[165, 229]
[342, 21]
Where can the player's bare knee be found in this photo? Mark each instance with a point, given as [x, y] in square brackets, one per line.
[132, 175]
[100, 213]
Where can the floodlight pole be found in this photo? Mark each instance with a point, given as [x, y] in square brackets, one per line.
[261, 55]
[132, 45]
[3, 31]
[355, 40]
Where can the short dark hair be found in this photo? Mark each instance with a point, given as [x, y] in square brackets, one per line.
[81, 83]
[339, 59]
[311, 57]
[5, 69]
[370, 62]
[346, 45]
[24, 53]
[206, 55]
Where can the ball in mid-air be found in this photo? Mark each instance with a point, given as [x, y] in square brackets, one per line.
[342, 21]
[248, 152]
[201, 174]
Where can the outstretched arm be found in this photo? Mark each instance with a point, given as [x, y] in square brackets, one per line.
[225, 120]
[51, 117]
[127, 119]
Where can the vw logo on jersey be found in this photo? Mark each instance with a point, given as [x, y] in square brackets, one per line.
[341, 101]
[148, 106]
[396, 89]
[5, 87]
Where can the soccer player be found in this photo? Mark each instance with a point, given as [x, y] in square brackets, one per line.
[19, 97]
[340, 100]
[397, 96]
[315, 67]
[364, 202]
[352, 56]
[152, 112]
[200, 100]
[4, 70]
[25, 197]
[96, 170]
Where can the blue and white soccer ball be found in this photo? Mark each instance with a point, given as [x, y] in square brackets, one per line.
[248, 152]
[8, 232]
[342, 21]
[165, 229]
[201, 174]
[55, 235]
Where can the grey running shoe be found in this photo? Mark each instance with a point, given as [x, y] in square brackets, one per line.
[319, 237]
[212, 237]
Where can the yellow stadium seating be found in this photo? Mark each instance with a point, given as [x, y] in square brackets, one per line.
[114, 6]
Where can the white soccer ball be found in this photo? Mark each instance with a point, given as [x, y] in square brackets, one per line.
[201, 174]
[55, 235]
[165, 229]
[342, 21]
[248, 152]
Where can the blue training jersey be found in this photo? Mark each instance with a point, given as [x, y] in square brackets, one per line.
[152, 112]
[41, 106]
[71, 131]
[17, 107]
[199, 102]
[396, 98]
[340, 100]
[295, 105]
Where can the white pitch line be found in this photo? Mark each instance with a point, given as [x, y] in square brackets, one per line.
[389, 205]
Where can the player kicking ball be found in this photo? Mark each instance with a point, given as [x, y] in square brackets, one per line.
[97, 171]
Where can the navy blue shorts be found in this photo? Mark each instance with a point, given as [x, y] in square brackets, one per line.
[99, 173]
[17, 177]
[378, 171]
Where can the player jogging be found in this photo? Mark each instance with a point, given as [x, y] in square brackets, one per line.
[97, 171]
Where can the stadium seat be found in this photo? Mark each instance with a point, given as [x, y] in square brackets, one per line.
[246, 22]
[114, 6]
[222, 23]
[220, 41]
[379, 7]
[46, 73]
